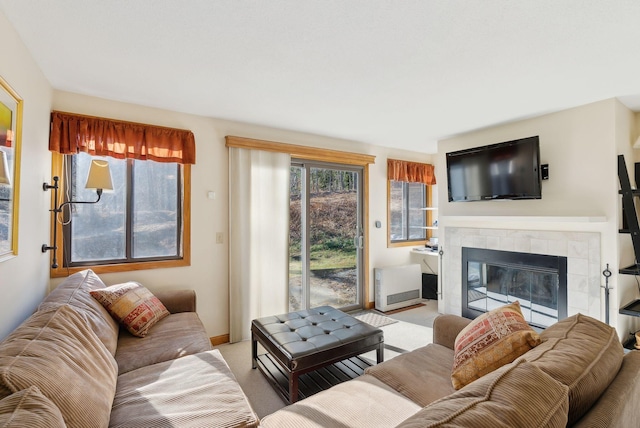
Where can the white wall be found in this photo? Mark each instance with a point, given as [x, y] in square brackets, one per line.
[581, 147]
[208, 273]
[24, 279]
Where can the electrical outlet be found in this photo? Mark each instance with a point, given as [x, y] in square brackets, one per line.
[219, 238]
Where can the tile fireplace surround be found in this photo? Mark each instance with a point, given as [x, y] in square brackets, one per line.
[582, 250]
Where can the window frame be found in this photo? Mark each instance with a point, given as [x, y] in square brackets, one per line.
[427, 218]
[150, 263]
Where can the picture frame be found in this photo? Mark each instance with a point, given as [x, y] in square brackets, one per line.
[10, 147]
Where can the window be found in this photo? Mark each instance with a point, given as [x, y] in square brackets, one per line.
[141, 224]
[145, 222]
[409, 211]
[407, 216]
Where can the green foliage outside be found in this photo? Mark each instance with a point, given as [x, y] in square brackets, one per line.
[333, 211]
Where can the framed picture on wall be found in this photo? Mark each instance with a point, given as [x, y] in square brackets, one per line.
[10, 139]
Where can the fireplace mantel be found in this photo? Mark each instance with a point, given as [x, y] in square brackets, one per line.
[528, 219]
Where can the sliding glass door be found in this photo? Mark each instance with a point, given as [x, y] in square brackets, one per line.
[326, 236]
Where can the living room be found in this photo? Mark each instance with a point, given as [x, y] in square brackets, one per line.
[580, 141]
[580, 144]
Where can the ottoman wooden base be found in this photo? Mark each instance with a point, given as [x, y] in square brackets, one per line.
[312, 382]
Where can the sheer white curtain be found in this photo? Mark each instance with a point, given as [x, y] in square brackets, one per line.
[258, 237]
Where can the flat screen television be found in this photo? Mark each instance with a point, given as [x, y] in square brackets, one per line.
[508, 170]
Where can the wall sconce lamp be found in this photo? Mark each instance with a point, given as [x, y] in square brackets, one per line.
[99, 178]
[4, 170]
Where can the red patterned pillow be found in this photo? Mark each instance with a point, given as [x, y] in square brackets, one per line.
[132, 305]
[490, 341]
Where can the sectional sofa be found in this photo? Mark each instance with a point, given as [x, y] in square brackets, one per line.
[578, 375]
[71, 364]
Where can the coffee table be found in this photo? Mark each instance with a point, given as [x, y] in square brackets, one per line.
[307, 340]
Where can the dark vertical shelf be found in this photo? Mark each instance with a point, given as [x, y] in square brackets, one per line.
[630, 219]
[631, 308]
[630, 226]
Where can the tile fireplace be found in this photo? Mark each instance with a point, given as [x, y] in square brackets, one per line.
[583, 271]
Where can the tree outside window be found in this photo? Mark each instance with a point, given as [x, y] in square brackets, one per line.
[140, 220]
[407, 214]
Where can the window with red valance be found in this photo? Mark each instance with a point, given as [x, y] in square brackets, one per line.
[409, 197]
[144, 223]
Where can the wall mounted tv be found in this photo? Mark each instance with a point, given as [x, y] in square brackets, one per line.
[508, 170]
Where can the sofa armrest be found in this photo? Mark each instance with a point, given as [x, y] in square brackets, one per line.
[446, 328]
[178, 300]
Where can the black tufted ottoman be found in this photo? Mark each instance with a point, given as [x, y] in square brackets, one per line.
[307, 340]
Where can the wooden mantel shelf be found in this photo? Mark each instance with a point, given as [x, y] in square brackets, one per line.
[528, 219]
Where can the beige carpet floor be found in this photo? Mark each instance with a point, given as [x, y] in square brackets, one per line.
[412, 331]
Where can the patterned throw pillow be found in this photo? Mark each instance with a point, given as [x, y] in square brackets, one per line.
[490, 341]
[132, 305]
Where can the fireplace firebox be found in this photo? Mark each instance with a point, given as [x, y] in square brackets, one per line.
[492, 278]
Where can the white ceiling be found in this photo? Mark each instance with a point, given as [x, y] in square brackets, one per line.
[392, 73]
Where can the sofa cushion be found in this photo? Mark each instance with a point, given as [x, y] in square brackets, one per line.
[490, 341]
[583, 353]
[362, 402]
[74, 291]
[29, 408]
[58, 352]
[132, 305]
[194, 391]
[423, 375]
[508, 397]
[172, 337]
[618, 405]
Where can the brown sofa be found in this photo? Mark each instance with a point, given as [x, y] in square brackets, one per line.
[70, 364]
[578, 376]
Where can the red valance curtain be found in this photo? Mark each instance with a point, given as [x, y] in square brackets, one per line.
[411, 172]
[74, 133]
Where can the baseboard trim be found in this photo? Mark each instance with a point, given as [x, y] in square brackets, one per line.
[219, 340]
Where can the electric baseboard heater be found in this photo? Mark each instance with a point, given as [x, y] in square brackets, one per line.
[397, 286]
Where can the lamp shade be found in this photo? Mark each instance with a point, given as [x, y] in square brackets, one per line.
[4, 169]
[99, 175]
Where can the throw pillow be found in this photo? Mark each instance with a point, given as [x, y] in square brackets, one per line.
[490, 341]
[132, 305]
